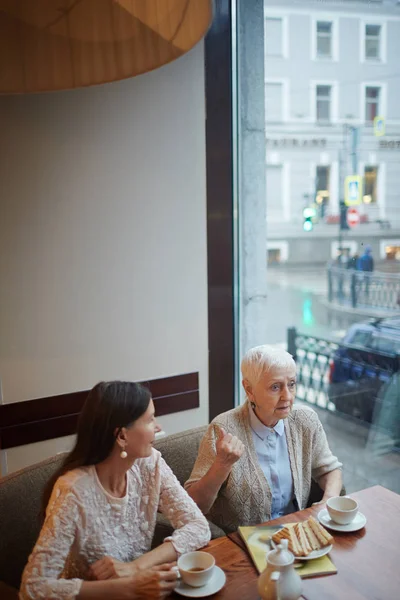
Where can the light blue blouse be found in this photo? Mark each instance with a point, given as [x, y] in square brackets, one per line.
[273, 457]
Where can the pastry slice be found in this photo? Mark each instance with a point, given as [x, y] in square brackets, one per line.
[288, 533]
[320, 533]
[301, 536]
[312, 539]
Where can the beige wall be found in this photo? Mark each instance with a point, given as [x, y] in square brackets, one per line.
[103, 238]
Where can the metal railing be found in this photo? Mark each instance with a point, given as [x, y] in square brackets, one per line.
[359, 289]
[353, 382]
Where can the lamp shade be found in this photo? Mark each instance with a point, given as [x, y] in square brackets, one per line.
[48, 45]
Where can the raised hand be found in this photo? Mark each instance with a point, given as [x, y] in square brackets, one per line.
[228, 447]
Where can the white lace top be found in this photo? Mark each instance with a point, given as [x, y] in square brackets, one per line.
[85, 523]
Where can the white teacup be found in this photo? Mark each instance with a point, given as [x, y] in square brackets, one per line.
[196, 568]
[342, 509]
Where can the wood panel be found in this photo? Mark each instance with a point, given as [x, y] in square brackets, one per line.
[56, 416]
[218, 69]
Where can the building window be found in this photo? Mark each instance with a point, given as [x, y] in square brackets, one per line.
[277, 251]
[274, 102]
[373, 42]
[322, 183]
[372, 98]
[324, 93]
[370, 185]
[273, 37]
[274, 193]
[324, 39]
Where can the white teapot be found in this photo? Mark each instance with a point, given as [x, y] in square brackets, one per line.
[279, 580]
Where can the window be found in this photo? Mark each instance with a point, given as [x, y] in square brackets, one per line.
[273, 37]
[385, 344]
[322, 180]
[360, 338]
[370, 185]
[373, 42]
[277, 251]
[274, 193]
[274, 101]
[324, 93]
[372, 98]
[322, 188]
[324, 39]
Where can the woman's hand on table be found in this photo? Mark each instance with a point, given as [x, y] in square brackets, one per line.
[154, 582]
[157, 582]
[136, 583]
[111, 568]
[323, 501]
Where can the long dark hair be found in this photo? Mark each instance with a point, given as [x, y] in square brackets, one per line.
[108, 407]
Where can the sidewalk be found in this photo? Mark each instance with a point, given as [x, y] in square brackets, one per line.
[361, 312]
[314, 279]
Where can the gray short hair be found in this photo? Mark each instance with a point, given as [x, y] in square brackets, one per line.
[260, 359]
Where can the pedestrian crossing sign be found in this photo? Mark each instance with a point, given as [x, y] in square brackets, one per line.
[353, 190]
[379, 126]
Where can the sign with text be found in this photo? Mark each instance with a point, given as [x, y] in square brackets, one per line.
[296, 142]
[353, 190]
[389, 144]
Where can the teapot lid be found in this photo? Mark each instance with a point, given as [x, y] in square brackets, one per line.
[281, 556]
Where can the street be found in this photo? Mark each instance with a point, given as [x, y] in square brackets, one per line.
[294, 301]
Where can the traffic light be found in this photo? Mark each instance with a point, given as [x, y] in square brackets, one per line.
[308, 224]
[343, 216]
[308, 215]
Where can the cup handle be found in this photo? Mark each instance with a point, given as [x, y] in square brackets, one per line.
[178, 573]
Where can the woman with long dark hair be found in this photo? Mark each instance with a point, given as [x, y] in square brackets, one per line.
[101, 508]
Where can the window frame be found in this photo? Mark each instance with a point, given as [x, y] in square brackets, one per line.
[282, 246]
[328, 167]
[285, 36]
[334, 38]
[379, 206]
[285, 97]
[334, 102]
[382, 109]
[383, 41]
[285, 165]
[376, 167]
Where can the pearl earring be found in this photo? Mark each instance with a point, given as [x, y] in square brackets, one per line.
[123, 454]
[253, 405]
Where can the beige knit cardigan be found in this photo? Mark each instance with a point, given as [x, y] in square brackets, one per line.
[245, 497]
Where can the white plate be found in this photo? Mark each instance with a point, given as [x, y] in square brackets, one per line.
[215, 584]
[358, 523]
[315, 553]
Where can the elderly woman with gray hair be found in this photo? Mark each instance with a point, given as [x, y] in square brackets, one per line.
[257, 461]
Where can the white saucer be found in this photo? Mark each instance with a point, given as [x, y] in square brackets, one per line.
[316, 553]
[358, 523]
[216, 583]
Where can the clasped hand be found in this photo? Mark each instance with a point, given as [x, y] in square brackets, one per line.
[154, 582]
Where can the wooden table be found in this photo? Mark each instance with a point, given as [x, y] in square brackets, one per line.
[368, 561]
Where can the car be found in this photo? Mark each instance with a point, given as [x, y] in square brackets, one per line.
[366, 360]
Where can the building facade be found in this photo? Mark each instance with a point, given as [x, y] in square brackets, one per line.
[330, 69]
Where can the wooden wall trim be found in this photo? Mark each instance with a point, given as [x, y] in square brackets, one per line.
[56, 416]
[219, 162]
